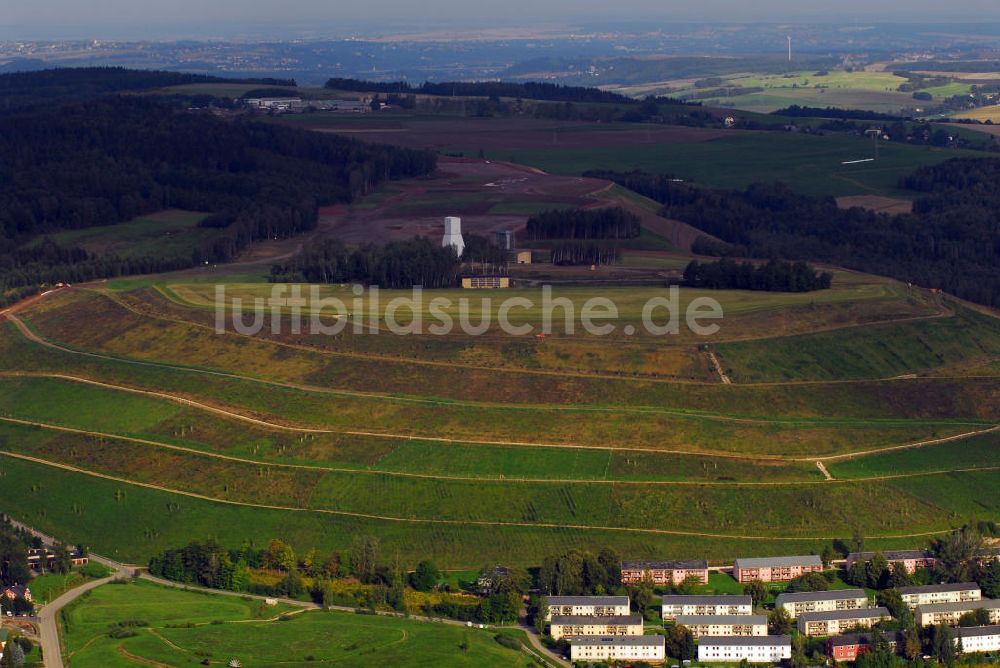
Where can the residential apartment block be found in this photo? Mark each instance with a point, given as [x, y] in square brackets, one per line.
[775, 569]
[978, 639]
[949, 613]
[587, 606]
[798, 603]
[577, 625]
[942, 593]
[724, 625]
[755, 649]
[837, 621]
[664, 572]
[911, 560]
[651, 649]
[706, 605]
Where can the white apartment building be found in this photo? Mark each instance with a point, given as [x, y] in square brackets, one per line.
[651, 649]
[674, 606]
[755, 649]
[801, 602]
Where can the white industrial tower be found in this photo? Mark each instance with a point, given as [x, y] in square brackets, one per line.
[453, 234]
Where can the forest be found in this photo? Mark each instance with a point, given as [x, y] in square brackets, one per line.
[775, 276]
[111, 159]
[396, 265]
[606, 223]
[526, 91]
[797, 111]
[951, 241]
[19, 89]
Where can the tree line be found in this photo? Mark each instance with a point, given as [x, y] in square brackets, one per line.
[395, 265]
[529, 90]
[109, 160]
[604, 223]
[948, 242]
[775, 276]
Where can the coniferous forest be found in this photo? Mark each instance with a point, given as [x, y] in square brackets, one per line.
[110, 159]
[951, 240]
[607, 223]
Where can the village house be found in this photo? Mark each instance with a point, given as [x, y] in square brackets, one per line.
[849, 647]
[941, 593]
[664, 572]
[911, 560]
[775, 569]
[755, 649]
[486, 581]
[16, 591]
[651, 649]
[797, 603]
[950, 613]
[580, 625]
[978, 639]
[44, 559]
[587, 606]
[705, 605]
[837, 621]
[724, 625]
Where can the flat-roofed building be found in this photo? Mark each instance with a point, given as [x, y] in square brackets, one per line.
[838, 621]
[664, 572]
[911, 560]
[651, 649]
[941, 593]
[950, 613]
[755, 649]
[587, 606]
[800, 602]
[775, 569]
[706, 605]
[580, 625]
[724, 625]
[978, 639]
[485, 282]
[849, 647]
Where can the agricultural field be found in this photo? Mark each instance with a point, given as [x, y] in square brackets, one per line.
[185, 628]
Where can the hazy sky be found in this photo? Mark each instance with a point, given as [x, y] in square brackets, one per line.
[143, 15]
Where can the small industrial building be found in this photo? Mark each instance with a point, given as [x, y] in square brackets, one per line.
[978, 639]
[755, 649]
[940, 593]
[775, 569]
[723, 625]
[453, 235]
[849, 647]
[583, 625]
[837, 621]
[520, 257]
[675, 605]
[587, 606]
[651, 649]
[485, 282]
[800, 602]
[950, 613]
[664, 572]
[911, 560]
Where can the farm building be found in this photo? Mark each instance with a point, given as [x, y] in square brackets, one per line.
[911, 560]
[664, 572]
[587, 606]
[486, 581]
[942, 593]
[16, 591]
[485, 282]
[978, 639]
[755, 649]
[833, 622]
[849, 647]
[651, 649]
[949, 613]
[706, 605]
[775, 569]
[724, 625]
[582, 625]
[797, 603]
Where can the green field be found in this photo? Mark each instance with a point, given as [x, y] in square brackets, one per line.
[808, 163]
[185, 628]
[165, 234]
